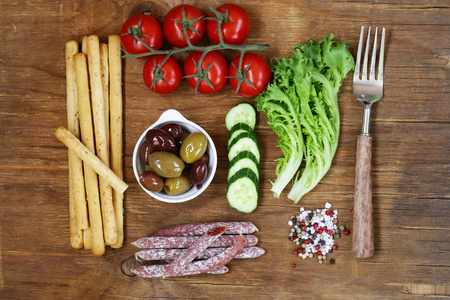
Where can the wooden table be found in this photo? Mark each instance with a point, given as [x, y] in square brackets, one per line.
[411, 159]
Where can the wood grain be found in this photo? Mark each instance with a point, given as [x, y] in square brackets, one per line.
[411, 158]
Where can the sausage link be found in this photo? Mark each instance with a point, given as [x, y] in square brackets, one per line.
[185, 242]
[172, 254]
[202, 228]
[195, 249]
[197, 267]
[157, 271]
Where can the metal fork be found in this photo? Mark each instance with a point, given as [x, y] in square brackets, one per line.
[367, 90]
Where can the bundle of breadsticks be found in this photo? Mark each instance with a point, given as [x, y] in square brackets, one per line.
[94, 139]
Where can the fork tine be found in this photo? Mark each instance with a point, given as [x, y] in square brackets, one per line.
[374, 56]
[358, 56]
[366, 57]
[381, 62]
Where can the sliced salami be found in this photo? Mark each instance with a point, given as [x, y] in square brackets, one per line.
[185, 242]
[197, 267]
[202, 228]
[194, 250]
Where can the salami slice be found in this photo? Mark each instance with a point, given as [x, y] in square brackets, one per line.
[172, 254]
[197, 267]
[185, 242]
[202, 228]
[195, 249]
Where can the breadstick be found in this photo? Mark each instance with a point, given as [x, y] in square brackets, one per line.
[98, 112]
[116, 139]
[105, 83]
[84, 45]
[76, 188]
[91, 180]
[90, 159]
[76, 234]
[87, 235]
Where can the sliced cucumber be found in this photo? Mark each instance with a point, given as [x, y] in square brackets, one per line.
[244, 159]
[246, 142]
[236, 130]
[242, 191]
[241, 113]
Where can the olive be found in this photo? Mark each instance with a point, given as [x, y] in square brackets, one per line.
[160, 139]
[145, 151]
[173, 129]
[193, 147]
[204, 158]
[198, 173]
[178, 185]
[151, 181]
[166, 164]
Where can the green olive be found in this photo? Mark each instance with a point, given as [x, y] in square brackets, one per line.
[166, 164]
[193, 147]
[178, 185]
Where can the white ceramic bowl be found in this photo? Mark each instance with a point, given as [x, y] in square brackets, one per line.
[173, 116]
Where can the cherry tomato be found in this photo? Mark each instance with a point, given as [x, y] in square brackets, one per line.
[168, 77]
[216, 75]
[256, 71]
[235, 30]
[146, 28]
[174, 23]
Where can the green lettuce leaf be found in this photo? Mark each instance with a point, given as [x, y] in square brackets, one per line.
[302, 108]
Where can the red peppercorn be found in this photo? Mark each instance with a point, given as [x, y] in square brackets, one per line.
[346, 232]
[294, 265]
[315, 226]
[320, 230]
[351, 211]
[295, 251]
[300, 250]
[302, 223]
[319, 252]
[308, 241]
[325, 228]
[303, 228]
[317, 247]
[334, 247]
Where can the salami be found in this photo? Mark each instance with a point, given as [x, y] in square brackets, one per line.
[185, 242]
[172, 254]
[194, 250]
[202, 228]
[197, 267]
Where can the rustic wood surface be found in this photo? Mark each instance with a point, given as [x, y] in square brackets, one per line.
[411, 158]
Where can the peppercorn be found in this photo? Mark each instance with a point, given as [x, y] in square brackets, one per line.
[351, 211]
[342, 227]
[324, 257]
[332, 261]
[336, 236]
[346, 232]
[320, 261]
[319, 257]
[310, 255]
[294, 265]
[334, 247]
[295, 251]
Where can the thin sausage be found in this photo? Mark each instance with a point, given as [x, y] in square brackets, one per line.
[202, 228]
[186, 242]
[196, 248]
[172, 254]
[197, 267]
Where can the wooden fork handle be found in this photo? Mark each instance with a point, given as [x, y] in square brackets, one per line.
[363, 238]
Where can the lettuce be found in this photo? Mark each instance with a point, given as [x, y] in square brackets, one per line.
[301, 107]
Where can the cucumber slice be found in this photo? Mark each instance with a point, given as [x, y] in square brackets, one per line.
[244, 159]
[236, 130]
[246, 142]
[244, 134]
[241, 113]
[242, 191]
